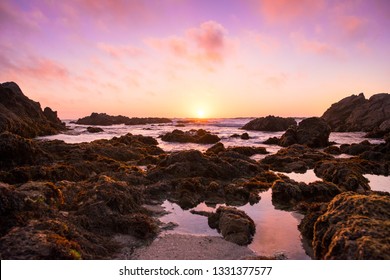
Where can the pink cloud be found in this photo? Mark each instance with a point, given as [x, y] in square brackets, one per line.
[286, 11]
[208, 45]
[30, 66]
[121, 50]
[44, 68]
[353, 27]
[211, 41]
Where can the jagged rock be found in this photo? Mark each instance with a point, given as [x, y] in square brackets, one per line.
[53, 117]
[270, 123]
[216, 149]
[313, 132]
[199, 136]
[349, 177]
[234, 225]
[333, 150]
[356, 149]
[356, 113]
[104, 120]
[296, 158]
[245, 136]
[22, 116]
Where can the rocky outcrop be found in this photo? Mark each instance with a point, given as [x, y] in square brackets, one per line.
[347, 174]
[105, 120]
[234, 225]
[352, 226]
[245, 150]
[296, 158]
[193, 163]
[23, 160]
[23, 116]
[356, 113]
[313, 132]
[68, 201]
[287, 193]
[70, 220]
[270, 123]
[199, 136]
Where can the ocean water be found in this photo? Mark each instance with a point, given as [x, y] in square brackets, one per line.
[276, 230]
[224, 128]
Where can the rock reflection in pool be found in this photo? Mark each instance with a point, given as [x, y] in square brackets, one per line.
[276, 230]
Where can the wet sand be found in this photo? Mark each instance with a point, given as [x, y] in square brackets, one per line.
[192, 247]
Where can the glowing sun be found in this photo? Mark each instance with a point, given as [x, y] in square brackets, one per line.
[200, 113]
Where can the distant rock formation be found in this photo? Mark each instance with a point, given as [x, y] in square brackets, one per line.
[92, 129]
[356, 113]
[104, 119]
[270, 123]
[313, 132]
[199, 136]
[23, 116]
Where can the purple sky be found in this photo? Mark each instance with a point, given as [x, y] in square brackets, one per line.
[177, 57]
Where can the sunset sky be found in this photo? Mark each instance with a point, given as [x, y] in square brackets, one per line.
[174, 58]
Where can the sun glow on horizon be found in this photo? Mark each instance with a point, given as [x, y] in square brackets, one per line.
[200, 113]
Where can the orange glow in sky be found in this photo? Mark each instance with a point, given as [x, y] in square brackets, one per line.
[171, 58]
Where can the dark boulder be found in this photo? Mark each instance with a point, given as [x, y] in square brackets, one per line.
[356, 149]
[234, 225]
[333, 150]
[245, 136]
[92, 129]
[313, 132]
[287, 193]
[270, 123]
[23, 116]
[216, 149]
[347, 174]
